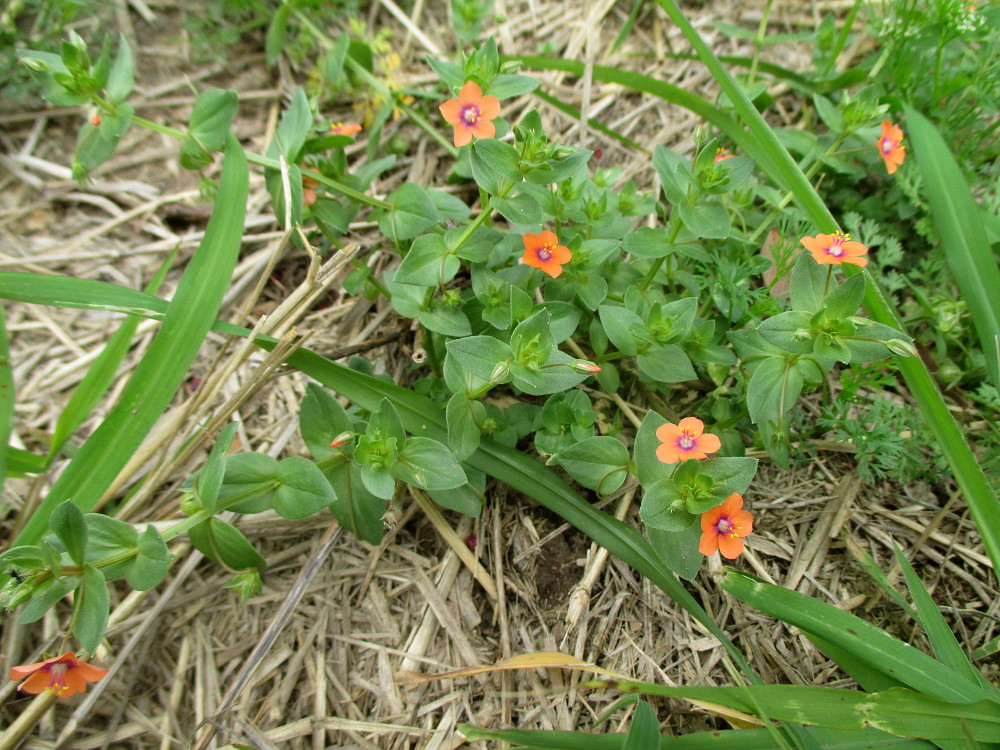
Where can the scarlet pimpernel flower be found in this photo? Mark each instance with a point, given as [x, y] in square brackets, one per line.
[836, 249]
[63, 675]
[471, 113]
[685, 440]
[890, 146]
[345, 128]
[723, 528]
[543, 251]
[721, 155]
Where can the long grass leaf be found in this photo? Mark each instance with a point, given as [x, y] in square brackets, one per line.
[744, 739]
[102, 371]
[157, 377]
[764, 146]
[6, 398]
[962, 234]
[943, 641]
[867, 643]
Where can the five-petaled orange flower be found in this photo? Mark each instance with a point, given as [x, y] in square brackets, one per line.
[721, 155]
[345, 128]
[723, 528]
[63, 675]
[836, 249]
[685, 440]
[471, 113]
[890, 146]
[541, 251]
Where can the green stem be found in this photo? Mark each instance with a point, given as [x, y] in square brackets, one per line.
[675, 229]
[758, 42]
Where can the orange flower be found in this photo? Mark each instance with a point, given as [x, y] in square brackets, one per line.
[723, 528]
[471, 113]
[685, 440]
[308, 183]
[63, 675]
[721, 155]
[345, 128]
[890, 146]
[836, 249]
[541, 251]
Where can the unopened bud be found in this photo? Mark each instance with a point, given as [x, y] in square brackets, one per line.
[342, 439]
[94, 117]
[500, 372]
[247, 584]
[902, 348]
[585, 366]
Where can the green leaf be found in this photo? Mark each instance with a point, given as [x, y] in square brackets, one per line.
[807, 284]
[648, 242]
[479, 355]
[844, 299]
[120, 79]
[559, 168]
[293, 129]
[782, 330]
[211, 121]
[108, 537]
[648, 467]
[8, 459]
[600, 463]
[385, 423]
[510, 85]
[446, 322]
[773, 389]
[429, 465]
[663, 507]
[467, 499]
[864, 641]
[521, 210]
[156, 378]
[91, 621]
[666, 364]
[46, 598]
[618, 323]
[678, 549]
[152, 561]
[252, 474]
[412, 211]
[494, 165]
[963, 236]
[378, 481]
[303, 489]
[321, 420]
[68, 525]
[464, 415]
[224, 544]
[209, 480]
[706, 218]
[355, 507]
[428, 262]
[554, 376]
[274, 43]
[645, 730]
[674, 173]
[95, 145]
[731, 474]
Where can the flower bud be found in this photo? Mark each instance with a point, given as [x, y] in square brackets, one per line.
[247, 583]
[902, 348]
[342, 439]
[585, 366]
[94, 117]
[500, 372]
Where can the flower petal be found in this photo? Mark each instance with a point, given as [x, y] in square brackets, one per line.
[692, 425]
[91, 673]
[489, 107]
[463, 136]
[531, 241]
[561, 254]
[669, 453]
[484, 129]
[709, 543]
[731, 547]
[22, 671]
[732, 504]
[547, 237]
[451, 110]
[743, 521]
[73, 683]
[708, 443]
[470, 93]
[551, 268]
[530, 258]
[668, 432]
[710, 517]
[37, 683]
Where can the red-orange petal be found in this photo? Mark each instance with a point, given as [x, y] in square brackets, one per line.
[732, 504]
[470, 93]
[36, 683]
[451, 110]
[744, 521]
[530, 258]
[669, 453]
[709, 543]
[483, 129]
[668, 432]
[707, 443]
[489, 107]
[73, 682]
[547, 237]
[531, 241]
[551, 268]
[692, 424]
[463, 136]
[731, 547]
[561, 254]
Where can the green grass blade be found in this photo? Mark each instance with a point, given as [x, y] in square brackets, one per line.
[867, 643]
[102, 372]
[744, 739]
[158, 376]
[20, 462]
[943, 641]
[6, 398]
[904, 713]
[764, 146]
[962, 234]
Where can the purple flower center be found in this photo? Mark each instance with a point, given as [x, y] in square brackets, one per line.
[544, 253]
[887, 145]
[724, 525]
[686, 442]
[470, 115]
[837, 248]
